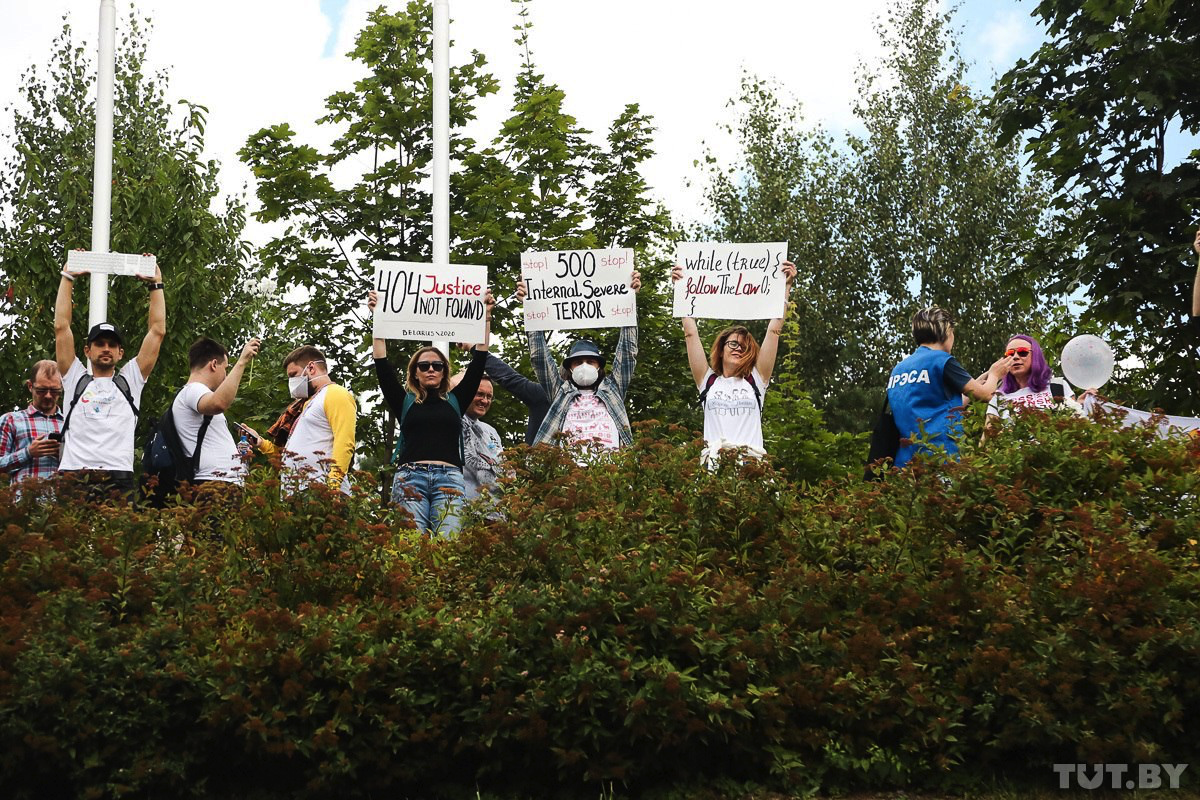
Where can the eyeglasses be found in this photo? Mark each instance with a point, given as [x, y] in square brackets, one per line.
[1023, 352]
[47, 392]
[436, 366]
[734, 344]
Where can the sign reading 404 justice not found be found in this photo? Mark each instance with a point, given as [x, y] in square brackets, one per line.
[731, 281]
[571, 289]
[430, 301]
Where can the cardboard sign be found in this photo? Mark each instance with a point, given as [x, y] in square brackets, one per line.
[572, 289]
[111, 263]
[731, 281]
[442, 302]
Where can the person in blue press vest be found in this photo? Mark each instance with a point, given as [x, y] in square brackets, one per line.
[925, 391]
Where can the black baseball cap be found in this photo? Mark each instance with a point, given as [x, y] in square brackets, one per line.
[105, 330]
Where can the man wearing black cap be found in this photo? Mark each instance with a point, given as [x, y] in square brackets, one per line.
[587, 403]
[102, 406]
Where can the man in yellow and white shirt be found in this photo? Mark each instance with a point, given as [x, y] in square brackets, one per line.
[321, 444]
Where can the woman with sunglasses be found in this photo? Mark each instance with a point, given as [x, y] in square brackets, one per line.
[1028, 383]
[732, 378]
[429, 459]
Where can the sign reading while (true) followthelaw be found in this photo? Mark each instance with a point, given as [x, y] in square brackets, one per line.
[570, 289]
[442, 302]
[731, 281]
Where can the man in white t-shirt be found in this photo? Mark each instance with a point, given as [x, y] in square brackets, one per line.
[320, 447]
[211, 389]
[102, 405]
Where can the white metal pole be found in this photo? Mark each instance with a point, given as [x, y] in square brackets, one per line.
[441, 138]
[102, 175]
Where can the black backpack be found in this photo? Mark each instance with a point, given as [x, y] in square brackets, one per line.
[163, 456]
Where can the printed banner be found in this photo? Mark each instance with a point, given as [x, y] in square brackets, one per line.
[731, 281]
[1167, 425]
[111, 263]
[429, 302]
[571, 289]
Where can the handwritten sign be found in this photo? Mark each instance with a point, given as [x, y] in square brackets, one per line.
[442, 302]
[731, 281]
[111, 263]
[572, 289]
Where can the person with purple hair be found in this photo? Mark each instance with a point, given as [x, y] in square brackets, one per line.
[1029, 383]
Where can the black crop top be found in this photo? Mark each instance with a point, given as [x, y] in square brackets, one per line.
[432, 431]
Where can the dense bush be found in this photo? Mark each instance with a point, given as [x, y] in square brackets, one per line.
[637, 625]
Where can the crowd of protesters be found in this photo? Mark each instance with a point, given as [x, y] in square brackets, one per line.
[80, 423]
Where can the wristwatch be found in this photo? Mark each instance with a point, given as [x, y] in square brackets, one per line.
[150, 287]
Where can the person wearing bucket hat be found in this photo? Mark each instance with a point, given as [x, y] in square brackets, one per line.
[587, 400]
[102, 405]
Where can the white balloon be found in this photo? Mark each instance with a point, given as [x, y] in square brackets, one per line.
[1087, 361]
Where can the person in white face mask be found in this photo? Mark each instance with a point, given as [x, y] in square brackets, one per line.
[321, 444]
[587, 400]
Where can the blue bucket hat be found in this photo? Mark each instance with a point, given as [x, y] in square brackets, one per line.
[583, 348]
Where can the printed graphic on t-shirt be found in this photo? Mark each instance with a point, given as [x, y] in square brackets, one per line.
[98, 398]
[1042, 399]
[589, 421]
[731, 412]
[733, 399]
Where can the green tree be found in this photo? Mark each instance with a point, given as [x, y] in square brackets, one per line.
[163, 196]
[540, 183]
[333, 232]
[923, 207]
[1097, 104]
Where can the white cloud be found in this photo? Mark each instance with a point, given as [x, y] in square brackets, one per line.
[1005, 35]
[259, 62]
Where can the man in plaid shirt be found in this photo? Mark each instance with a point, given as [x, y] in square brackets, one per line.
[26, 451]
[586, 402]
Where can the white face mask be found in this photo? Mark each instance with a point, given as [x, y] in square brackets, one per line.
[299, 387]
[585, 374]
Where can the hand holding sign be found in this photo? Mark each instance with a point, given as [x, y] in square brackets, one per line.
[430, 302]
[573, 289]
[732, 281]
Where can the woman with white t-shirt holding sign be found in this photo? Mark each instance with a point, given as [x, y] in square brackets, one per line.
[732, 379]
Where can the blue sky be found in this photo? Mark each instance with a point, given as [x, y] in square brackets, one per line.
[334, 11]
[282, 58]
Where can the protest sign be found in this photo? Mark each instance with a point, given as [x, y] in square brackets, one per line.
[111, 263]
[731, 281]
[572, 289]
[442, 302]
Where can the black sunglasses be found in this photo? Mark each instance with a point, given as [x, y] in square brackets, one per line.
[436, 366]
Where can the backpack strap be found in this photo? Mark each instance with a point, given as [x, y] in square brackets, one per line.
[123, 385]
[757, 393]
[199, 443]
[79, 390]
[409, 399]
[712, 378]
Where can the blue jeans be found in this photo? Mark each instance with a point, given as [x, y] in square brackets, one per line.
[433, 494]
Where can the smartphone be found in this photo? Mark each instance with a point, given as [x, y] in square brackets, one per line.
[249, 433]
[54, 437]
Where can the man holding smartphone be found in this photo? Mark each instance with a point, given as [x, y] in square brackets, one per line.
[29, 439]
